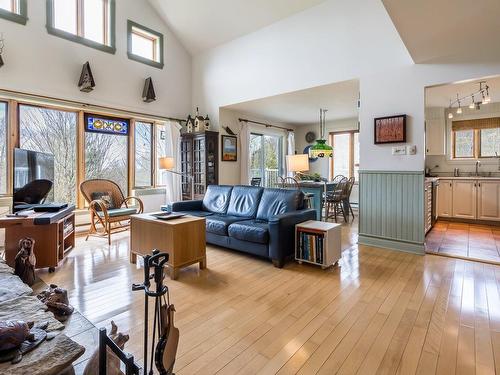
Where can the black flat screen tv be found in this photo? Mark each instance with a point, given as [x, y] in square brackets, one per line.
[30, 166]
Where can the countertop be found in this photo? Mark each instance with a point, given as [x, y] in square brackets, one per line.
[436, 178]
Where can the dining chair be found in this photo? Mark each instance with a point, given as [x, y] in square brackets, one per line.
[334, 200]
[256, 181]
[347, 199]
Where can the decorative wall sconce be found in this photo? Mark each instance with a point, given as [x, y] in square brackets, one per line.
[148, 92]
[2, 43]
[86, 82]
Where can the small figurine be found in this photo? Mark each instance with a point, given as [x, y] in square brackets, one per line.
[207, 123]
[189, 124]
[113, 365]
[57, 301]
[25, 261]
[199, 122]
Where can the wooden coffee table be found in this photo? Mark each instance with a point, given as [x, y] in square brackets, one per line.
[183, 239]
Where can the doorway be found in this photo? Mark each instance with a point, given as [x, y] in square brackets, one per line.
[266, 158]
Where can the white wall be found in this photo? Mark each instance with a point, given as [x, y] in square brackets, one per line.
[446, 164]
[334, 41]
[39, 63]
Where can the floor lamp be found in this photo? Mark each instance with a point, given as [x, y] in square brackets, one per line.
[167, 164]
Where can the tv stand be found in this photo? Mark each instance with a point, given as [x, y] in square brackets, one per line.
[53, 232]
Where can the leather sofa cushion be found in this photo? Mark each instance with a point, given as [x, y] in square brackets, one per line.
[218, 224]
[250, 230]
[278, 201]
[216, 199]
[244, 201]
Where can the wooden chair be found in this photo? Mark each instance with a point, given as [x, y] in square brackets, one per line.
[292, 183]
[103, 220]
[347, 202]
[336, 199]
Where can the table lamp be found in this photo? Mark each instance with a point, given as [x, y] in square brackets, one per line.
[297, 163]
[167, 163]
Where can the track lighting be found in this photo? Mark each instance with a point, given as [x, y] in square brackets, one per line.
[484, 91]
[450, 115]
[472, 105]
[459, 109]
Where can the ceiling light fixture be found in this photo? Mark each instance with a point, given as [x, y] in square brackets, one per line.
[483, 92]
[321, 149]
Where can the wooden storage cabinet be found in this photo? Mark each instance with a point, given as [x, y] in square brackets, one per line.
[444, 198]
[318, 242]
[488, 202]
[469, 199]
[199, 158]
[464, 199]
[435, 137]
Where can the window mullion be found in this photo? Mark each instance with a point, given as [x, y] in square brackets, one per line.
[79, 18]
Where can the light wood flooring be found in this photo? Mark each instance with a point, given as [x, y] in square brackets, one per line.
[481, 242]
[380, 312]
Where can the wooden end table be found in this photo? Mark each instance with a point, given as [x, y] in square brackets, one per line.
[183, 239]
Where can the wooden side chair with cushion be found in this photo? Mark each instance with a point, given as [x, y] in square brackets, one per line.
[109, 209]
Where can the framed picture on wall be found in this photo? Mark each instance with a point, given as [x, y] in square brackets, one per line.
[391, 129]
[229, 146]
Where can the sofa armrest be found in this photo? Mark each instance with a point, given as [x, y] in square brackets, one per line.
[187, 206]
[282, 233]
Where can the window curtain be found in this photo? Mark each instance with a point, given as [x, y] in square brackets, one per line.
[290, 149]
[172, 180]
[244, 154]
[483, 123]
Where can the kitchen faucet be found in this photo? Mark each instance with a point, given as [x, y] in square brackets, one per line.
[478, 163]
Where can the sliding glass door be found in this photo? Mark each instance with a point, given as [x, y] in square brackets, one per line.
[266, 158]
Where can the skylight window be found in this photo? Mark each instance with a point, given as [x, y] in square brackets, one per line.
[13, 10]
[145, 45]
[89, 22]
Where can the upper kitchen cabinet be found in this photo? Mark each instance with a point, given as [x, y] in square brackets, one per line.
[489, 200]
[435, 137]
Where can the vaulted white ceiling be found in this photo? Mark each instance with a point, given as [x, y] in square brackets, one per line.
[203, 24]
[448, 31]
[302, 107]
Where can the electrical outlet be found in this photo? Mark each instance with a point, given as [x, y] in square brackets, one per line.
[411, 150]
[399, 150]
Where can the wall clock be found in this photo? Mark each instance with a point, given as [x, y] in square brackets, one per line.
[310, 137]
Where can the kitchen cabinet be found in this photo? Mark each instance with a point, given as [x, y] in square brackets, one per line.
[464, 199]
[488, 200]
[435, 137]
[473, 199]
[444, 198]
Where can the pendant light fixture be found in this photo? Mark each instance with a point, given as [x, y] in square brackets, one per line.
[483, 93]
[321, 149]
[459, 109]
[472, 105]
[450, 114]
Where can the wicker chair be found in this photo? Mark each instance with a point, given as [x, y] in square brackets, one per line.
[105, 221]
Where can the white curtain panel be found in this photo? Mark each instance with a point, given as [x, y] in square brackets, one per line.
[172, 180]
[290, 150]
[244, 156]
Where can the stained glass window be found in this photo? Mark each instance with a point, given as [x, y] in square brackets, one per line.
[107, 125]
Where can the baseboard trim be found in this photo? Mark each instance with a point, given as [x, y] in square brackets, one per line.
[385, 243]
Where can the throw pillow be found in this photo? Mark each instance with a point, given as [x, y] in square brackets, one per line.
[104, 196]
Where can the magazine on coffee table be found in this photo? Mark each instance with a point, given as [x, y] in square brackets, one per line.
[167, 215]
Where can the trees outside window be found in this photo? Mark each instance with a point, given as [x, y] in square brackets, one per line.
[52, 131]
[266, 155]
[106, 157]
[143, 154]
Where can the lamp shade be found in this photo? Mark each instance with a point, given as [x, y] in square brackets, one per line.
[167, 162]
[297, 163]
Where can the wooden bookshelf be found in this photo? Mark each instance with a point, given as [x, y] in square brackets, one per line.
[318, 242]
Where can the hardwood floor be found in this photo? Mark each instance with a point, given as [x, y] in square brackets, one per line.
[380, 312]
[479, 242]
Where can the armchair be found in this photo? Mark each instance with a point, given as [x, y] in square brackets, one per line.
[106, 219]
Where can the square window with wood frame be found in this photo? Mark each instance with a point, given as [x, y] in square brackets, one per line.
[14, 10]
[89, 22]
[478, 138]
[145, 45]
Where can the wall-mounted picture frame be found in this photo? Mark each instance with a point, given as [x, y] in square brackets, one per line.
[229, 147]
[390, 129]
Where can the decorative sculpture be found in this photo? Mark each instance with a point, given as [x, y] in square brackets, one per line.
[166, 349]
[148, 92]
[113, 365]
[199, 122]
[189, 124]
[86, 82]
[57, 301]
[25, 261]
[207, 123]
[228, 130]
[18, 338]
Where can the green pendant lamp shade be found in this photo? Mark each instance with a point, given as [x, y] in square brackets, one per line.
[321, 149]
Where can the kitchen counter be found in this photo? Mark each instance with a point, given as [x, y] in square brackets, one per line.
[461, 178]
